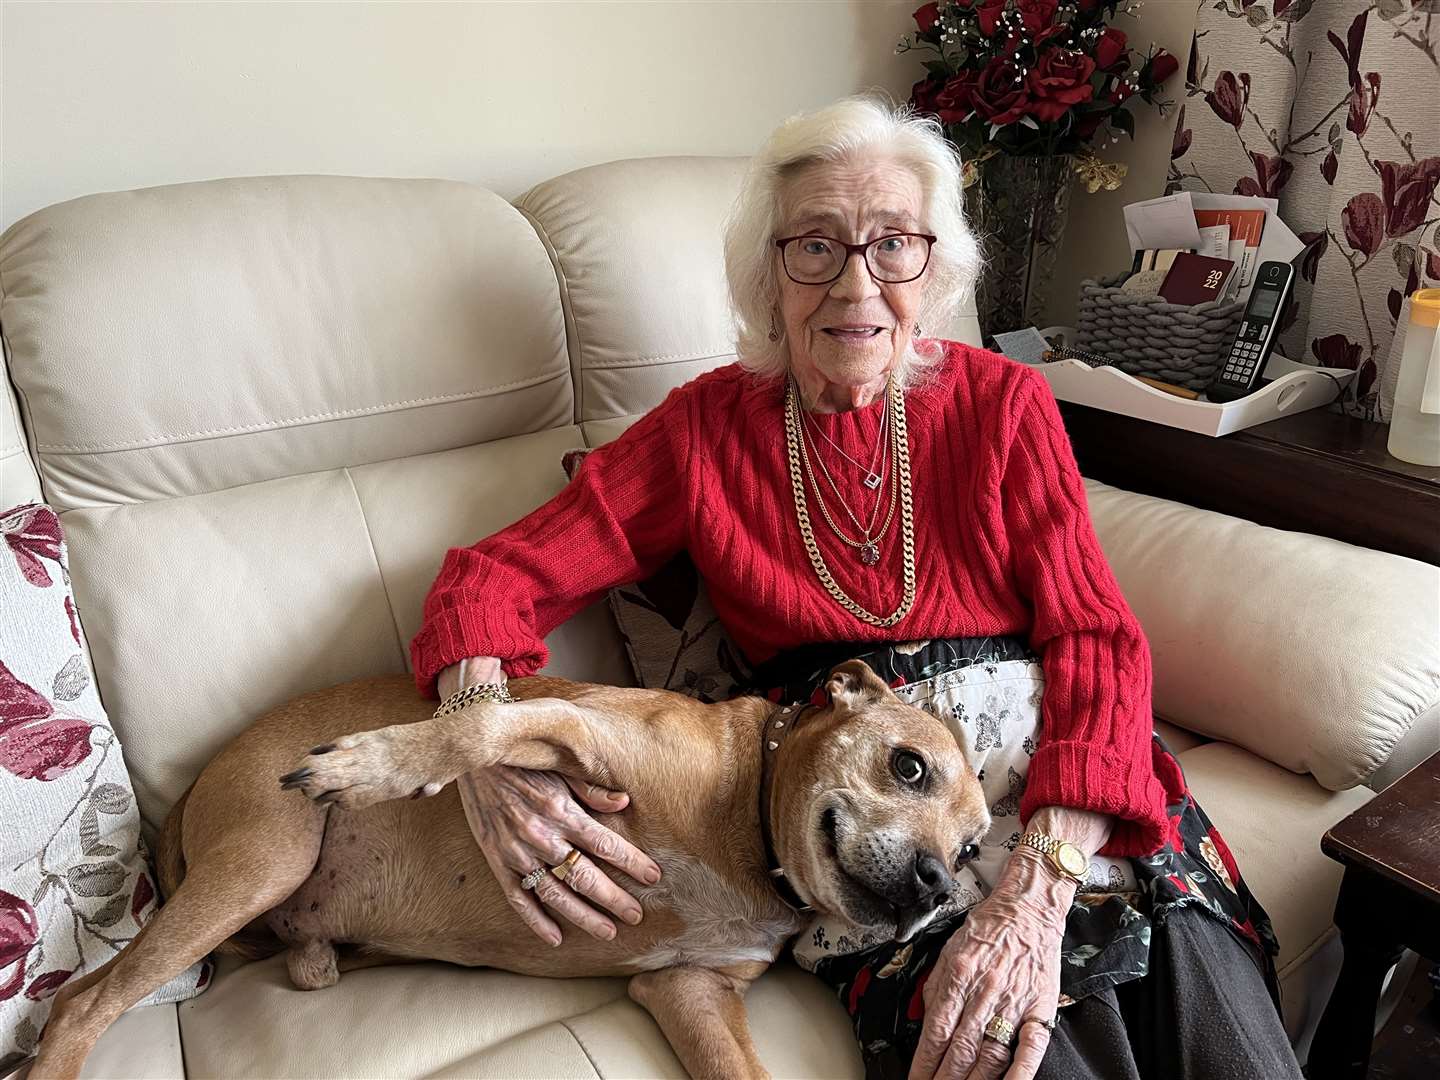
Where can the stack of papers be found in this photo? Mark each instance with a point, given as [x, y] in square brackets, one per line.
[1243, 229]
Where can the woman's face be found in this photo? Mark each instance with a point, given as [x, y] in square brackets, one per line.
[853, 331]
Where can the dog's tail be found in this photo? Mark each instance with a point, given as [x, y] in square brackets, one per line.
[256, 941]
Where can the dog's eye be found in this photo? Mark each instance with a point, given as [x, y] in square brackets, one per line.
[908, 766]
[966, 854]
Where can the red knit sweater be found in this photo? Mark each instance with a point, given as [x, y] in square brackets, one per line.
[1003, 545]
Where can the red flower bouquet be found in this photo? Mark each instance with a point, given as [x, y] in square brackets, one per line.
[1033, 77]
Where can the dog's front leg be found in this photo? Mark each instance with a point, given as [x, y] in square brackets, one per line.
[410, 760]
[702, 1013]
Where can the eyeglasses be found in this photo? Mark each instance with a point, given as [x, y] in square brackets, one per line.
[818, 260]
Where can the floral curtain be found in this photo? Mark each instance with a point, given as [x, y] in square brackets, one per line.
[1332, 107]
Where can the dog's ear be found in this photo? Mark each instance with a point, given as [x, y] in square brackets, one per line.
[853, 684]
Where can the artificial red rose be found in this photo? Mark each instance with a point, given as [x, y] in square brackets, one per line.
[18, 933]
[1119, 93]
[1336, 351]
[1086, 124]
[33, 746]
[957, 100]
[923, 94]
[1000, 95]
[1226, 101]
[1110, 48]
[1271, 174]
[1163, 65]
[34, 536]
[1036, 14]
[1059, 81]
[1364, 221]
[1407, 190]
[926, 16]
[989, 14]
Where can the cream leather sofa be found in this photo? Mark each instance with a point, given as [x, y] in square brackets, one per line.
[265, 407]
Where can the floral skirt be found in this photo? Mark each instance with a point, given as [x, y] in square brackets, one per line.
[988, 692]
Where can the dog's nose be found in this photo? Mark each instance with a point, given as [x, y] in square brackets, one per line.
[932, 880]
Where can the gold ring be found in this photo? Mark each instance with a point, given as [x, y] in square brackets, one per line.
[564, 870]
[1000, 1029]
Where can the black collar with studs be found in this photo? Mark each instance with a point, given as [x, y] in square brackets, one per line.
[777, 728]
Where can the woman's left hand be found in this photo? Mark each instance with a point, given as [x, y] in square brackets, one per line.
[1003, 961]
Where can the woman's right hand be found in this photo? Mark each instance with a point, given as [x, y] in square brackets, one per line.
[524, 819]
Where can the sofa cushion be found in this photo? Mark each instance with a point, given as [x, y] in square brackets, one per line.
[1272, 821]
[638, 248]
[438, 1020]
[207, 611]
[1317, 655]
[196, 337]
[19, 483]
[76, 886]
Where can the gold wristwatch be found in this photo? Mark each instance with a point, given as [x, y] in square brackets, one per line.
[1067, 859]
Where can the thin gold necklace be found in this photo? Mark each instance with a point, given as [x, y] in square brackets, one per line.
[868, 547]
[901, 452]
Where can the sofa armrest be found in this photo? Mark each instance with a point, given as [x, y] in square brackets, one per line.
[1320, 656]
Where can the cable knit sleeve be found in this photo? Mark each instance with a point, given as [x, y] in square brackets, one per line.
[621, 517]
[1095, 752]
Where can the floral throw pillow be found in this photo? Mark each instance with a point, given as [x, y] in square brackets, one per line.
[75, 885]
[672, 634]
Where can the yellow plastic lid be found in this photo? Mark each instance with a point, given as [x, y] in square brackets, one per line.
[1425, 307]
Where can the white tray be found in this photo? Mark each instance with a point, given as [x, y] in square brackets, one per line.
[1296, 387]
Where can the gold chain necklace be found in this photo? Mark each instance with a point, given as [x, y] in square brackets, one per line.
[901, 450]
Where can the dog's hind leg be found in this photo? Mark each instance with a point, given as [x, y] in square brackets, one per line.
[240, 876]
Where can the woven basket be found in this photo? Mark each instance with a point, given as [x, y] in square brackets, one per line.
[1145, 335]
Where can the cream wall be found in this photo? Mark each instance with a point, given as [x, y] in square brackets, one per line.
[116, 95]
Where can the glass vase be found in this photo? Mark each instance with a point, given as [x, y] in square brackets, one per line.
[1017, 210]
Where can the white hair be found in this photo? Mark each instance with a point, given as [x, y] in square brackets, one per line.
[861, 127]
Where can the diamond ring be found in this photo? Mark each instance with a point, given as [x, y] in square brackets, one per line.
[534, 877]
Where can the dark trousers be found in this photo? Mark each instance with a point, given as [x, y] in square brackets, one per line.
[1202, 1012]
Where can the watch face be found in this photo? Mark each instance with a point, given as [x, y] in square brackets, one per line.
[1072, 860]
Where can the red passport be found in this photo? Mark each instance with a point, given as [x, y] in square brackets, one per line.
[1196, 279]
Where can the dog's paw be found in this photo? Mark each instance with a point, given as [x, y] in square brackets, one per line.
[360, 770]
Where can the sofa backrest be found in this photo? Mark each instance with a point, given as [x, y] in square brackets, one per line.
[260, 456]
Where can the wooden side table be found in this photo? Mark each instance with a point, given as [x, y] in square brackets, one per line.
[1389, 901]
[1316, 472]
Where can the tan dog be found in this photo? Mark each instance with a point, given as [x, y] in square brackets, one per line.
[869, 802]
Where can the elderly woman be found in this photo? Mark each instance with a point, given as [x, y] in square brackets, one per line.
[852, 488]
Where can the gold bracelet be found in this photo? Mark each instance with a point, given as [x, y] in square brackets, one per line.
[479, 692]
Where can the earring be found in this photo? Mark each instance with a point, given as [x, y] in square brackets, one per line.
[916, 331]
[774, 334]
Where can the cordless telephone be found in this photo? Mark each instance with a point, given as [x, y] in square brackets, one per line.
[1240, 372]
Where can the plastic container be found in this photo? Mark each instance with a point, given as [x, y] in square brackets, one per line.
[1415, 418]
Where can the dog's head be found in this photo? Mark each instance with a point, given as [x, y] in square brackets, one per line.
[874, 807]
